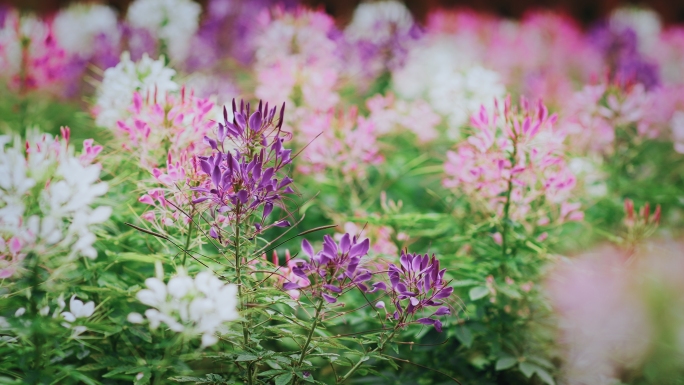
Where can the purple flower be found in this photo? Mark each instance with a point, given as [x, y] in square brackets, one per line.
[336, 267]
[416, 284]
[247, 178]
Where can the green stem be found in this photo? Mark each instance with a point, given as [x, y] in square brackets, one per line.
[188, 237]
[238, 273]
[33, 304]
[507, 205]
[317, 317]
[379, 348]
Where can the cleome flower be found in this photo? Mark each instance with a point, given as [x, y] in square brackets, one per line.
[198, 306]
[115, 93]
[334, 269]
[418, 284]
[46, 199]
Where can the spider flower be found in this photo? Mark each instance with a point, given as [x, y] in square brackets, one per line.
[115, 93]
[515, 157]
[47, 198]
[243, 170]
[198, 306]
[334, 269]
[418, 284]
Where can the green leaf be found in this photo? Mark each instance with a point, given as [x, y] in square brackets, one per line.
[283, 379]
[464, 282]
[545, 376]
[464, 335]
[528, 369]
[478, 292]
[273, 364]
[505, 363]
[246, 357]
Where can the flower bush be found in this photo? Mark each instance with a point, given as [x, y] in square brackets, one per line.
[251, 192]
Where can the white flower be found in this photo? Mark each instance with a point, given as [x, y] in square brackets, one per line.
[135, 318]
[78, 26]
[645, 23]
[439, 71]
[197, 306]
[20, 312]
[677, 124]
[77, 309]
[115, 93]
[377, 22]
[172, 21]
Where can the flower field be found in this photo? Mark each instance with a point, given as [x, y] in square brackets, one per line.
[252, 192]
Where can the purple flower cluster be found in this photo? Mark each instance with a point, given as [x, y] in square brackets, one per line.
[416, 284]
[243, 169]
[335, 268]
[627, 64]
[419, 280]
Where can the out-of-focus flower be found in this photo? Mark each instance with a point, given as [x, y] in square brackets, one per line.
[77, 309]
[150, 78]
[604, 322]
[83, 29]
[339, 141]
[198, 306]
[46, 198]
[644, 22]
[172, 22]
[296, 59]
[454, 87]
[30, 56]
[388, 114]
[377, 39]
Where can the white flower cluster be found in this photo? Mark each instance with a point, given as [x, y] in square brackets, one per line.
[448, 81]
[78, 27]
[115, 94]
[46, 194]
[77, 309]
[377, 22]
[191, 306]
[174, 22]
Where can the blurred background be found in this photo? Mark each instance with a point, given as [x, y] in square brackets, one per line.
[585, 11]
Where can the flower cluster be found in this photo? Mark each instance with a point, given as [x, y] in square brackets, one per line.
[388, 113]
[453, 86]
[115, 94]
[419, 280]
[243, 170]
[344, 142]
[198, 306]
[377, 39]
[89, 31]
[46, 196]
[170, 22]
[334, 269]
[296, 59]
[513, 159]
[30, 56]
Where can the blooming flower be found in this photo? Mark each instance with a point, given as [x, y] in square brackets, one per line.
[115, 93]
[388, 113]
[419, 280]
[334, 269]
[198, 306]
[80, 28]
[339, 141]
[46, 199]
[517, 151]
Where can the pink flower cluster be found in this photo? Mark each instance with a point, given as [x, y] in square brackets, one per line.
[30, 56]
[296, 58]
[174, 130]
[390, 114]
[342, 142]
[515, 156]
